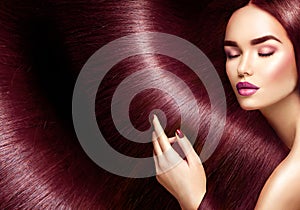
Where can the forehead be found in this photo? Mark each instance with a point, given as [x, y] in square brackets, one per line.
[251, 22]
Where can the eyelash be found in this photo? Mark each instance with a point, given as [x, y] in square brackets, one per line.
[232, 56]
[265, 54]
[260, 54]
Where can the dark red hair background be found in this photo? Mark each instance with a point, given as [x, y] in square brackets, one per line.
[43, 46]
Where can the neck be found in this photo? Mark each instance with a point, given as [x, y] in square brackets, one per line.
[284, 117]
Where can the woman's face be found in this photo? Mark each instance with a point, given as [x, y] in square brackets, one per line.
[260, 62]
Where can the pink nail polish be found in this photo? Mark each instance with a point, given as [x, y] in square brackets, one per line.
[179, 133]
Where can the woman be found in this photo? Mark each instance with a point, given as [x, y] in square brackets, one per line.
[44, 44]
[262, 49]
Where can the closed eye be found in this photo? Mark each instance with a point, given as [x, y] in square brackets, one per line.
[232, 56]
[265, 54]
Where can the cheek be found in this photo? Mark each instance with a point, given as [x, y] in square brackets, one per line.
[231, 73]
[281, 70]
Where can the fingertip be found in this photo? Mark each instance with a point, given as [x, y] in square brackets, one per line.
[186, 146]
[157, 127]
[179, 133]
[154, 118]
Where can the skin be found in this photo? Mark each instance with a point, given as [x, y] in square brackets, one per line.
[269, 64]
[181, 173]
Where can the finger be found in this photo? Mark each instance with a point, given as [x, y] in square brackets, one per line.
[156, 163]
[186, 146]
[167, 161]
[172, 140]
[157, 149]
[162, 138]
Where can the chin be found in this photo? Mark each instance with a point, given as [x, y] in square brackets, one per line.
[248, 106]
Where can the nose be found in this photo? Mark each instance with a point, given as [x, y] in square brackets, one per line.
[244, 68]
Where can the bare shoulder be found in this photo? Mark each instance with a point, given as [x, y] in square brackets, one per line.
[282, 189]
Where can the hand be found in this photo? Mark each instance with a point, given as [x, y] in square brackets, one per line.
[184, 178]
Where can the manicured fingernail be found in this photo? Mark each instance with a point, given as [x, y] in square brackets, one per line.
[179, 133]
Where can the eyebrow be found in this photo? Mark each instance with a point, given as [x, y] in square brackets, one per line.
[253, 41]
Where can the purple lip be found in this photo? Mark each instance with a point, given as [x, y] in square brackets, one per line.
[246, 88]
[246, 85]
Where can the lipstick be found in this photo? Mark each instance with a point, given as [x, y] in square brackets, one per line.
[246, 88]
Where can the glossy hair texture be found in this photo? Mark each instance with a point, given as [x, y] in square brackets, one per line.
[43, 46]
